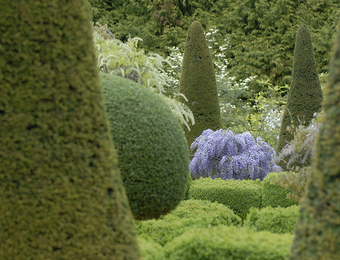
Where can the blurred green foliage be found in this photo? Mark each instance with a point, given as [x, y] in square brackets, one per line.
[261, 33]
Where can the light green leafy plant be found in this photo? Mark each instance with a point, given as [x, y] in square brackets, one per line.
[127, 60]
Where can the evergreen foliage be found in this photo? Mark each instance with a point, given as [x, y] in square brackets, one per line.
[317, 232]
[305, 94]
[128, 61]
[224, 243]
[152, 148]
[238, 195]
[261, 32]
[60, 189]
[275, 195]
[189, 214]
[222, 154]
[276, 220]
[262, 35]
[150, 249]
[198, 84]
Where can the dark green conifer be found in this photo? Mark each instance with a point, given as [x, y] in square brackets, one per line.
[60, 189]
[198, 84]
[317, 233]
[305, 94]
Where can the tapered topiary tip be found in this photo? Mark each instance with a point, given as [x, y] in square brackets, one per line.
[304, 61]
[195, 32]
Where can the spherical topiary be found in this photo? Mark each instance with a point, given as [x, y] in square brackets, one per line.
[305, 94]
[152, 150]
[198, 84]
[61, 194]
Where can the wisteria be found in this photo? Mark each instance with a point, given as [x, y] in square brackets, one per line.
[223, 154]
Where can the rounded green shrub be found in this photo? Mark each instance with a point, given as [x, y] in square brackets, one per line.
[273, 194]
[224, 243]
[188, 215]
[305, 94]
[276, 220]
[198, 84]
[238, 195]
[61, 193]
[150, 249]
[152, 149]
[317, 231]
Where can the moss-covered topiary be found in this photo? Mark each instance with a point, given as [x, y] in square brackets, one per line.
[317, 232]
[152, 150]
[198, 84]
[273, 194]
[276, 220]
[305, 94]
[223, 242]
[238, 195]
[60, 189]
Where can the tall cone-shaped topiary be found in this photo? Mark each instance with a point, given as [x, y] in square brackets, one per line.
[317, 232]
[305, 94]
[60, 189]
[198, 84]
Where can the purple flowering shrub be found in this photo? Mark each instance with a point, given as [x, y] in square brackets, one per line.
[223, 154]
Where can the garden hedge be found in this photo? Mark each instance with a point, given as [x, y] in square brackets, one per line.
[150, 249]
[238, 195]
[273, 194]
[224, 243]
[276, 220]
[188, 215]
[152, 149]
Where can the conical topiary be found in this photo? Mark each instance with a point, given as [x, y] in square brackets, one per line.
[305, 94]
[60, 189]
[152, 149]
[317, 232]
[198, 84]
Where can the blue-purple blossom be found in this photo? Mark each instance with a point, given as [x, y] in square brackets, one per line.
[223, 154]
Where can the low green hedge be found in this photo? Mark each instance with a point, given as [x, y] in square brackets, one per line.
[273, 194]
[150, 249]
[188, 215]
[276, 220]
[238, 195]
[224, 243]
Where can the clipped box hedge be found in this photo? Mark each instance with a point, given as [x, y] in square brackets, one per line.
[224, 243]
[188, 215]
[238, 195]
[275, 195]
[150, 250]
[276, 220]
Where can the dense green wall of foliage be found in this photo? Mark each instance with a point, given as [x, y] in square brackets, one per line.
[152, 149]
[61, 193]
[198, 84]
[261, 33]
[317, 233]
[305, 94]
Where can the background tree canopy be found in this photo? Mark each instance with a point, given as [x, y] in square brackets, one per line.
[261, 33]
